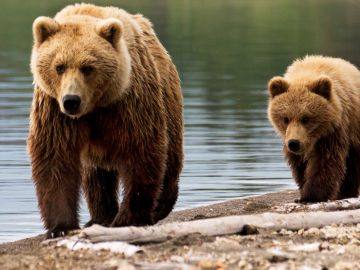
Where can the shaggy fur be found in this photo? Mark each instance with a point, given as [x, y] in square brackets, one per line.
[128, 127]
[317, 105]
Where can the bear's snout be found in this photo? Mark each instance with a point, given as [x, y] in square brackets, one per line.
[71, 103]
[294, 145]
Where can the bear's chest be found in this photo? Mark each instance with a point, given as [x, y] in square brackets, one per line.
[108, 137]
[99, 153]
[101, 147]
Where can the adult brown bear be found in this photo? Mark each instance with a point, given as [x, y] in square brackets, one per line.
[107, 107]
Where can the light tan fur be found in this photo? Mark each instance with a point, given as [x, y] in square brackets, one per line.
[317, 103]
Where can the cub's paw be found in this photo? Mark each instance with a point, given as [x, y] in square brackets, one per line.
[300, 201]
[297, 201]
[312, 194]
[312, 199]
[60, 231]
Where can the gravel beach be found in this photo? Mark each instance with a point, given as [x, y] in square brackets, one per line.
[329, 247]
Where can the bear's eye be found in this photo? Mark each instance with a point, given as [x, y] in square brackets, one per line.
[305, 120]
[286, 120]
[60, 69]
[86, 70]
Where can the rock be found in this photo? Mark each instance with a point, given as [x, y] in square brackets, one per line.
[324, 246]
[312, 232]
[244, 265]
[285, 232]
[177, 259]
[346, 266]
[115, 264]
[211, 265]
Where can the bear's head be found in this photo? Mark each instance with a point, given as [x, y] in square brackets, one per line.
[303, 111]
[82, 62]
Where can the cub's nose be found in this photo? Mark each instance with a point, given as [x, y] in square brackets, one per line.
[294, 145]
[71, 103]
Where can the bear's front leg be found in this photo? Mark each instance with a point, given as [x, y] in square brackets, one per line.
[55, 161]
[323, 177]
[57, 187]
[298, 167]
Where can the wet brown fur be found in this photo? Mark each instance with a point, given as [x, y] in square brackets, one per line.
[130, 129]
[317, 102]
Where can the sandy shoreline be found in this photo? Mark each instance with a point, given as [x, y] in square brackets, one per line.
[331, 247]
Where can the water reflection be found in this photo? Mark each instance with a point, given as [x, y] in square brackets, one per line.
[225, 52]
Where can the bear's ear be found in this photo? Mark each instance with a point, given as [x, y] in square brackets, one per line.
[277, 86]
[111, 30]
[43, 28]
[322, 87]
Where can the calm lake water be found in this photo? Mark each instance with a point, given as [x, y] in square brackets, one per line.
[225, 52]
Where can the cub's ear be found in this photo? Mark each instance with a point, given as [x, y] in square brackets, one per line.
[111, 30]
[322, 87]
[43, 28]
[277, 86]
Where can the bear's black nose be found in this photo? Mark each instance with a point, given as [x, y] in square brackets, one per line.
[71, 103]
[294, 145]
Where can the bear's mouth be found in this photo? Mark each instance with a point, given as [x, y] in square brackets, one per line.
[299, 153]
[74, 114]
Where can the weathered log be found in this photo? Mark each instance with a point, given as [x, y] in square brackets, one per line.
[220, 226]
[345, 204]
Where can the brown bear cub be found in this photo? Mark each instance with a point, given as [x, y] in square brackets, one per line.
[315, 108]
[107, 107]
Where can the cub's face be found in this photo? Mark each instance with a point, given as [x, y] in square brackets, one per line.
[83, 64]
[302, 113]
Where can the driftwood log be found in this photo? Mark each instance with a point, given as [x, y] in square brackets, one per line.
[220, 226]
[345, 204]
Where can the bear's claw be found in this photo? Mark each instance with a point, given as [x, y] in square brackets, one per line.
[59, 232]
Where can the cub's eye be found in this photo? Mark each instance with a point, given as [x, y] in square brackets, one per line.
[305, 120]
[87, 70]
[286, 120]
[60, 69]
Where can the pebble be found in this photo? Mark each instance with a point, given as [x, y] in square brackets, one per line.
[285, 232]
[346, 266]
[312, 232]
[324, 246]
[119, 265]
[177, 259]
[244, 265]
[207, 264]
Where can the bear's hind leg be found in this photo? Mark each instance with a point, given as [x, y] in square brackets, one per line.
[138, 205]
[170, 189]
[141, 186]
[101, 192]
[351, 183]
